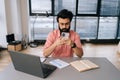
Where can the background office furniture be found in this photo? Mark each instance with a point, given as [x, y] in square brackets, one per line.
[106, 72]
[12, 43]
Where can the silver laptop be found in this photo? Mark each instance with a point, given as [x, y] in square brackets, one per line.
[30, 64]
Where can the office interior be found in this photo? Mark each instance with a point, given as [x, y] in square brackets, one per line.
[97, 22]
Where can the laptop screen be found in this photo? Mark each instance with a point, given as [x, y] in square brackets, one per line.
[29, 64]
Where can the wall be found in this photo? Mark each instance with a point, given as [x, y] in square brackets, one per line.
[3, 26]
[13, 17]
[24, 8]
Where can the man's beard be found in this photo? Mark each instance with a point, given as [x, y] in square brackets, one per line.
[64, 30]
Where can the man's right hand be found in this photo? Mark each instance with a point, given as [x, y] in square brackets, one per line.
[59, 41]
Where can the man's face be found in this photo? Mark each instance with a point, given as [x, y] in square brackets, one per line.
[64, 24]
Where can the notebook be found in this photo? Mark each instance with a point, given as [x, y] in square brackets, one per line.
[84, 65]
[31, 64]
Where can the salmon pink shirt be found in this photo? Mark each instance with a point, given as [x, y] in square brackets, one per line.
[62, 50]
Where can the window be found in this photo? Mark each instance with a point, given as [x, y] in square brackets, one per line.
[87, 7]
[65, 4]
[39, 7]
[95, 20]
[119, 31]
[109, 7]
[41, 23]
[107, 28]
[42, 27]
[87, 27]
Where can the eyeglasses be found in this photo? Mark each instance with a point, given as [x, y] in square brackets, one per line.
[65, 24]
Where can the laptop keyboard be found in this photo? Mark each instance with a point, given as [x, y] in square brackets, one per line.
[47, 68]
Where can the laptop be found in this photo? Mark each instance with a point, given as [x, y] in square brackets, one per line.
[31, 64]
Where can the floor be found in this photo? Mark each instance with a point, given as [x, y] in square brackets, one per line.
[4, 60]
[110, 51]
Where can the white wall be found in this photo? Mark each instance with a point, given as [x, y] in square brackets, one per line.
[24, 16]
[3, 27]
[13, 17]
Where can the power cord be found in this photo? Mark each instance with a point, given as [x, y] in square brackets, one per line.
[33, 44]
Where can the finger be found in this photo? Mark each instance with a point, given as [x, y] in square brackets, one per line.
[60, 38]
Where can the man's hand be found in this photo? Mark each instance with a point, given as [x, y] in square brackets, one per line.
[60, 41]
[68, 42]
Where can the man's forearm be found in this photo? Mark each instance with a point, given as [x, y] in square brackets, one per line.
[78, 51]
[47, 52]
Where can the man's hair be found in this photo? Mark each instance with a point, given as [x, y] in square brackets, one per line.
[65, 14]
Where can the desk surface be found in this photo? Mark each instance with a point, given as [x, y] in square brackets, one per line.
[107, 71]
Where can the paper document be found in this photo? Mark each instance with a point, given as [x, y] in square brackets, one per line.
[59, 63]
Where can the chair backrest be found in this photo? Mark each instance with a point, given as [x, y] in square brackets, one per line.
[10, 38]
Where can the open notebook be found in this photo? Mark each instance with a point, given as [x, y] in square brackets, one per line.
[83, 65]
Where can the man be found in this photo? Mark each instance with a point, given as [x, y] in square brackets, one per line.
[59, 46]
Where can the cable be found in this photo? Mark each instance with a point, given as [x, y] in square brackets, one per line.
[34, 24]
[34, 44]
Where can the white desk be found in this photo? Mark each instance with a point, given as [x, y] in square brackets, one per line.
[107, 71]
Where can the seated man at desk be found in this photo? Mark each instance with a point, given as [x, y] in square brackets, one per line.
[63, 42]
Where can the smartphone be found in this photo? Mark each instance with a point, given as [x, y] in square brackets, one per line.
[65, 35]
